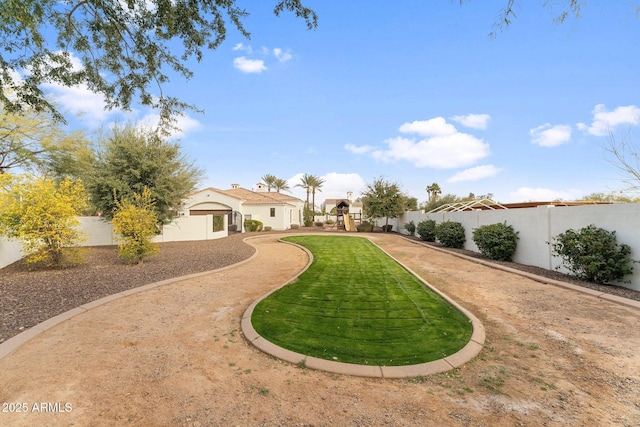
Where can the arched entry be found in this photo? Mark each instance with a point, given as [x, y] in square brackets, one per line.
[235, 222]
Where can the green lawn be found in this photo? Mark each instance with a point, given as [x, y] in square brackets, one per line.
[356, 305]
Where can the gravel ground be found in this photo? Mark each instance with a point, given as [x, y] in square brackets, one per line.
[30, 297]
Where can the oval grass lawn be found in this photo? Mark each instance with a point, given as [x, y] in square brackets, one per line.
[355, 304]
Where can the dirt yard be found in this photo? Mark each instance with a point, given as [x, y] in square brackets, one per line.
[174, 355]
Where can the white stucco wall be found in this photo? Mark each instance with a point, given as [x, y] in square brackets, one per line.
[537, 226]
[9, 252]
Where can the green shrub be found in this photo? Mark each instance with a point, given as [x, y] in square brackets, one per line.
[593, 254]
[365, 227]
[427, 230]
[329, 222]
[411, 228]
[318, 223]
[307, 216]
[136, 223]
[253, 225]
[450, 234]
[496, 241]
[387, 228]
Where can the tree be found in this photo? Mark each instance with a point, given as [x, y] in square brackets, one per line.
[133, 159]
[136, 223]
[566, 9]
[383, 199]
[35, 142]
[43, 216]
[281, 185]
[433, 191]
[125, 48]
[626, 158]
[412, 204]
[305, 182]
[269, 181]
[315, 185]
[440, 201]
[610, 197]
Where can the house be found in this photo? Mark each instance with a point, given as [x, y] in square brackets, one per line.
[212, 213]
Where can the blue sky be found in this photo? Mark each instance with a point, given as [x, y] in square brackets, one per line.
[415, 92]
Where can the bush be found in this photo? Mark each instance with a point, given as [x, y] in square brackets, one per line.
[450, 234]
[496, 241]
[253, 225]
[136, 224]
[42, 215]
[267, 228]
[387, 228]
[329, 222]
[427, 230]
[593, 254]
[365, 227]
[318, 223]
[411, 228]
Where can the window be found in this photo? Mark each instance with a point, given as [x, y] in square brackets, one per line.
[218, 223]
[272, 212]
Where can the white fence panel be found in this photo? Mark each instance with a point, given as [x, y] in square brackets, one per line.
[537, 226]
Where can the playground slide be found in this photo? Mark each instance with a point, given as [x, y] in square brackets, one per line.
[348, 223]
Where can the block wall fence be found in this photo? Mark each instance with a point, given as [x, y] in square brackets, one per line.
[537, 226]
[100, 233]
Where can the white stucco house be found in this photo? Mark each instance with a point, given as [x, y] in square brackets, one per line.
[207, 214]
[212, 213]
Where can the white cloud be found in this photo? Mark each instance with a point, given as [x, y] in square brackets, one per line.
[475, 174]
[444, 146]
[442, 152]
[475, 121]
[362, 149]
[437, 126]
[184, 124]
[528, 194]
[79, 100]
[241, 47]
[281, 55]
[550, 136]
[336, 186]
[249, 65]
[604, 121]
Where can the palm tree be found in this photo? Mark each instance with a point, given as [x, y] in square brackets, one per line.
[433, 191]
[281, 185]
[269, 181]
[315, 185]
[305, 182]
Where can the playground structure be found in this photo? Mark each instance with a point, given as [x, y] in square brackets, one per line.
[345, 220]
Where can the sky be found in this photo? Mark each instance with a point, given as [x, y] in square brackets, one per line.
[414, 92]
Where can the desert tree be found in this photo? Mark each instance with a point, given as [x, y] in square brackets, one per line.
[35, 142]
[42, 215]
[131, 159]
[383, 199]
[124, 50]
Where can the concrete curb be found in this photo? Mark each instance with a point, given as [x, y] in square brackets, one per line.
[464, 355]
[14, 342]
